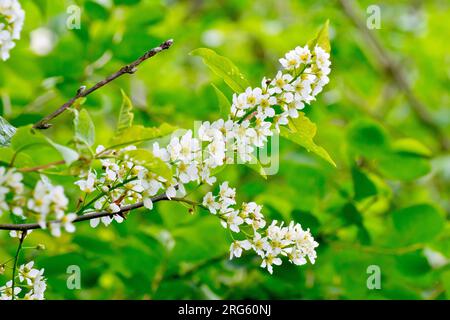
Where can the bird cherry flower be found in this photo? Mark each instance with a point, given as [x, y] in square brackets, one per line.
[237, 247]
[12, 17]
[28, 273]
[269, 260]
[231, 220]
[65, 221]
[7, 293]
[281, 82]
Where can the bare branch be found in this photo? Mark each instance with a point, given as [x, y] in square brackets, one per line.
[83, 92]
[43, 166]
[95, 215]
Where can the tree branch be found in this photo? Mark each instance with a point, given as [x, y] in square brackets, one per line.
[395, 72]
[94, 215]
[83, 92]
[43, 166]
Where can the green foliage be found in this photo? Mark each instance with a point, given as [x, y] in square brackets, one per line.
[224, 68]
[418, 223]
[149, 161]
[322, 39]
[385, 204]
[302, 132]
[29, 141]
[125, 116]
[224, 103]
[138, 134]
[405, 159]
[84, 127]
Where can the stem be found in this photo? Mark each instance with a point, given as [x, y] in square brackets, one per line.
[104, 193]
[95, 215]
[83, 92]
[16, 259]
[44, 166]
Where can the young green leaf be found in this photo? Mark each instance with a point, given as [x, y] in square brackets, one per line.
[322, 38]
[224, 68]
[137, 134]
[6, 132]
[146, 159]
[224, 103]
[84, 127]
[302, 132]
[256, 166]
[125, 116]
[26, 137]
[69, 155]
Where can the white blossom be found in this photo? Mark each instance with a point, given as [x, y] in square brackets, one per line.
[6, 291]
[11, 22]
[237, 247]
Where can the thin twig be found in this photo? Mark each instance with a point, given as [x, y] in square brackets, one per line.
[95, 215]
[83, 92]
[393, 70]
[16, 259]
[43, 166]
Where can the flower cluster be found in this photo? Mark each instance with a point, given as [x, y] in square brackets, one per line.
[11, 22]
[269, 243]
[11, 189]
[122, 180]
[28, 278]
[127, 178]
[304, 76]
[45, 201]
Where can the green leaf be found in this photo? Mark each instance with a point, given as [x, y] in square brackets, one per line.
[21, 160]
[412, 146]
[256, 166]
[367, 138]
[224, 103]
[362, 185]
[413, 264]
[302, 132]
[84, 127]
[6, 132]
[137, 134]
[69, 155]
[125, 116]
[403, 166]
[146, 159]
[224, 68]
[418, 224]
[322, 38]
[403, 160]
[26, 137]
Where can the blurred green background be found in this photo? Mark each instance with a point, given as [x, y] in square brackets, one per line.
[384, 118]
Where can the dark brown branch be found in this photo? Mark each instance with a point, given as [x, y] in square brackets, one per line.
[94, 215]
[83, 92]
[395, 72]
